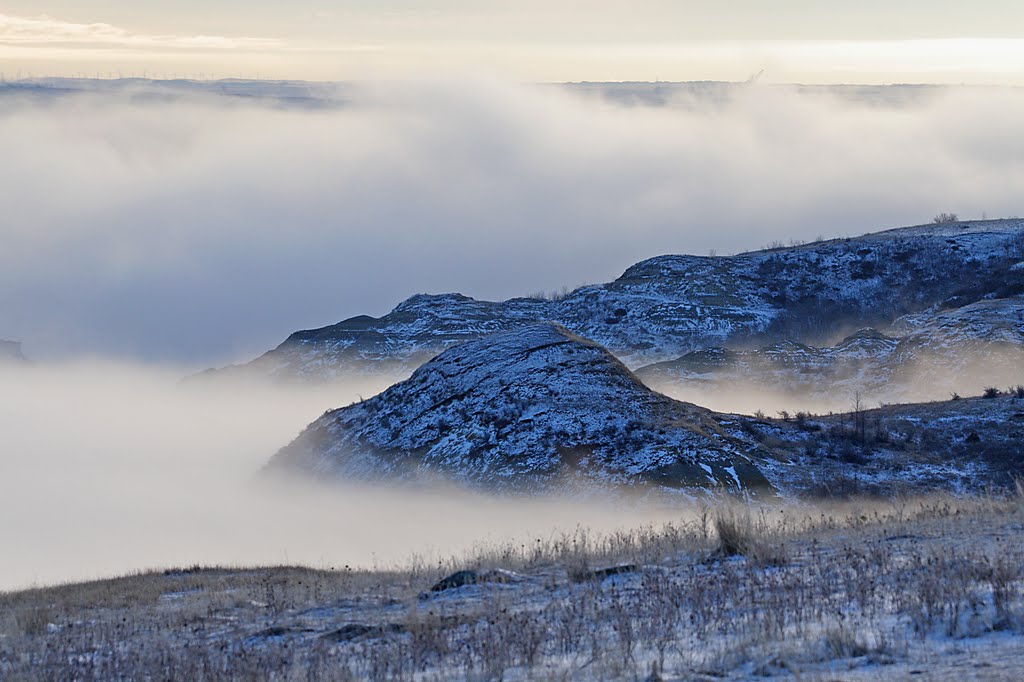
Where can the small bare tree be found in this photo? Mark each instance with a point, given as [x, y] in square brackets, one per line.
[860, 420]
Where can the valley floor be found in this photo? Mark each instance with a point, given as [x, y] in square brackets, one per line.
[929, 588]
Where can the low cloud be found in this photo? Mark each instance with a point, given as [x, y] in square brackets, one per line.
[45, 31]
[108, 469]
[198, 230]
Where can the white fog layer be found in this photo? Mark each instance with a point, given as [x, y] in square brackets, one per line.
[110, 469]
[201, 230]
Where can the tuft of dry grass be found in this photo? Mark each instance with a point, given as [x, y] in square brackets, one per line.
[735, 531]
[35, 620]
[740, 535]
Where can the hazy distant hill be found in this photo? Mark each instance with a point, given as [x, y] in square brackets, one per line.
[302, 94]
[323, 94]
[10, 352]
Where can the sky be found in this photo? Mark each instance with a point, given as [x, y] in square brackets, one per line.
[813, 41]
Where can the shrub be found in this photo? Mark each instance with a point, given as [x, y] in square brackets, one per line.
[851, 454]
[735, 533]
[1017, 391]
[35, 621]
[991, 392]
[803, 421]
[738, 536]
[946, 218]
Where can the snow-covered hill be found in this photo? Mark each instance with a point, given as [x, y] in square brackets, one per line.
[668, 306]
[531, 408]
[538, 408]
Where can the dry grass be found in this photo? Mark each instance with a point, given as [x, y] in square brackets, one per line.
[739, 534]
[713, 595]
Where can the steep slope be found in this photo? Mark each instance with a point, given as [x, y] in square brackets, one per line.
[530, 408]
[667, 306]
[936, 353]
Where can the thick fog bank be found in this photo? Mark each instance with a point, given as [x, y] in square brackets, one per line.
[110, 469]
[202, 229]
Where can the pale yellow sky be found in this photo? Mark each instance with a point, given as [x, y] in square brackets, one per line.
[559, 40]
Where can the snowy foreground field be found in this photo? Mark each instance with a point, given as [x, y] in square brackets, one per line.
[927, 588]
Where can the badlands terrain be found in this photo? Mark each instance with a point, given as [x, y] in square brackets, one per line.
[874, 534]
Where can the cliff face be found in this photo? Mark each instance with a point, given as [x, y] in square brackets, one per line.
[668, 306]
[533, 408]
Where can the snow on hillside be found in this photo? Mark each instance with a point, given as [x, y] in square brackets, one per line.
[961, 446]
[534, 407]
[540, 408]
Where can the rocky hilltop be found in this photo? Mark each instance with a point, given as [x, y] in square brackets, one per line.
[531, 408]
[930, 354]
[668, 306]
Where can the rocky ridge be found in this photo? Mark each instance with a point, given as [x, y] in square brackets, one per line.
[668, 306]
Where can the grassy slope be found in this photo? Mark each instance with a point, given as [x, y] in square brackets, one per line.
[964, 446]
[867, 590]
